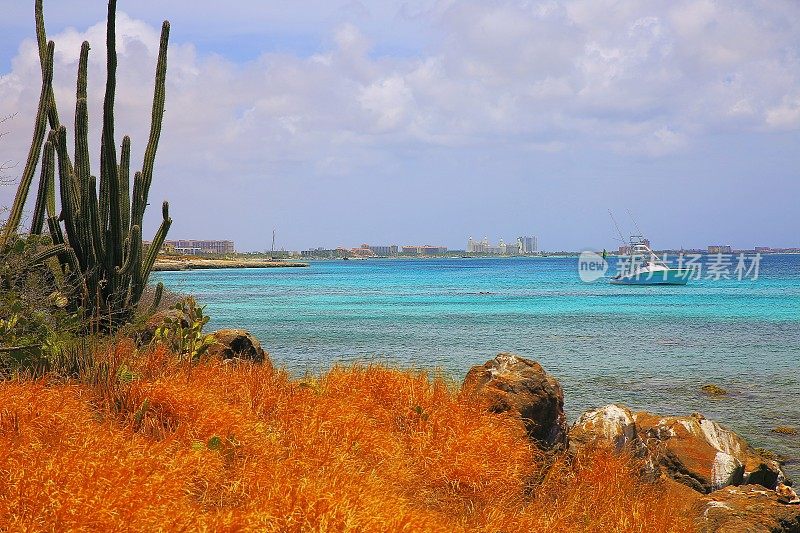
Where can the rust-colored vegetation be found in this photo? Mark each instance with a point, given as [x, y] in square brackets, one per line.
[146, 442]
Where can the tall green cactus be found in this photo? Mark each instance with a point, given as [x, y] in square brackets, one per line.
[100, 245]
[45, 103]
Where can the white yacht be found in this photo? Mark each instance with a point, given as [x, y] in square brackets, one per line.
[643, 267]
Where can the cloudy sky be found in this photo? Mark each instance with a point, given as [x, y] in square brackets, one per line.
[424, 121]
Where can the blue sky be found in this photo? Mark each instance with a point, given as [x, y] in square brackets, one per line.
[429, 121]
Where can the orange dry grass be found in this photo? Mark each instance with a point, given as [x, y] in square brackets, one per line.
[241, 447]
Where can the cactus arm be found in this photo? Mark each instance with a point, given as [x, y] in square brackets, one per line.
[55, 230]
[124, 187]
[33, 155]
[152, 253]
[81, 85]
[109, 175]
[46, 185]
[158, 241]
[58, 238]
[82, 173]
[82, 166]
[134, 252]
[158, 108]
[52, 138]
[41, 38]
[156, 298]
[47, 253]
[138, 202]
[94, 220]
[70, 207]
[156, 119]
[69, 260]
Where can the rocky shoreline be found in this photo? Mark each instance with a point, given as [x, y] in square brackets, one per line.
[173, 265]
[731, 485]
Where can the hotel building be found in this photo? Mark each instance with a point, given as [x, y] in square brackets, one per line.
[200, 247]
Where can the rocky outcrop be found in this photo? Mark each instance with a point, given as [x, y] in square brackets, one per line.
[613, 425]
[510, 383]
[237, 344]
[703, 454]
[746, 508]
[693, 450]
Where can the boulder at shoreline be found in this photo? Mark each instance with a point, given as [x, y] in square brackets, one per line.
[692, 450]
[510, 383]
[237, 344]
[746, 508]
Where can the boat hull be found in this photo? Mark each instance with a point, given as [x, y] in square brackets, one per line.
[676, 276]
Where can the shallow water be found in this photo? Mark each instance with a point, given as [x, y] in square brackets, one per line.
[649, 347]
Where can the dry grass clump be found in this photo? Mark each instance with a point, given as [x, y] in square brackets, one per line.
[154, 444]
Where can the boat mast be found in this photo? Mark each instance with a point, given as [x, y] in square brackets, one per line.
[635, 225]
[614, 220]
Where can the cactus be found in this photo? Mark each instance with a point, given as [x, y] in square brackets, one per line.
[156, 298]
[45, 198]
[26, 179]
[100, 246]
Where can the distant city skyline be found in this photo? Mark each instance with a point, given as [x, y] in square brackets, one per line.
[344, 122]
[522, 246]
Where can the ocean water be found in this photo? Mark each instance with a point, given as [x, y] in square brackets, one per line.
[649, 347]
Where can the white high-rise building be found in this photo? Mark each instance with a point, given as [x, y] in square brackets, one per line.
[478, 247]
[509, 248]
[528, 245]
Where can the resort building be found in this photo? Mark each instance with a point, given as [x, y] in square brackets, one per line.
[528, 245]
[363, 251]
[522, 245]
[195, 247]
[383, 250]
[327, 253]
[719, 249]
[509, 248]
[478, 247]
[426, 249]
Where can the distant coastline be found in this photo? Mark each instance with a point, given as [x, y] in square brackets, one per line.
[173, 265]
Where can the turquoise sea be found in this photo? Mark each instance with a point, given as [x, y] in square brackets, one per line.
[649, 347]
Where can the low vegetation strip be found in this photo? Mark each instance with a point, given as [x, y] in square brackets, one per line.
[149, 441]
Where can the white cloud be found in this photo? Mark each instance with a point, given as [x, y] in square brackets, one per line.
[786, 115]
[503, 69]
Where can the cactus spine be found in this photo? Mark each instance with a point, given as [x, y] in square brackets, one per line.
[100, 246]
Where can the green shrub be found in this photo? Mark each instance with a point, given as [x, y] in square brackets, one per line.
[183, 333]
